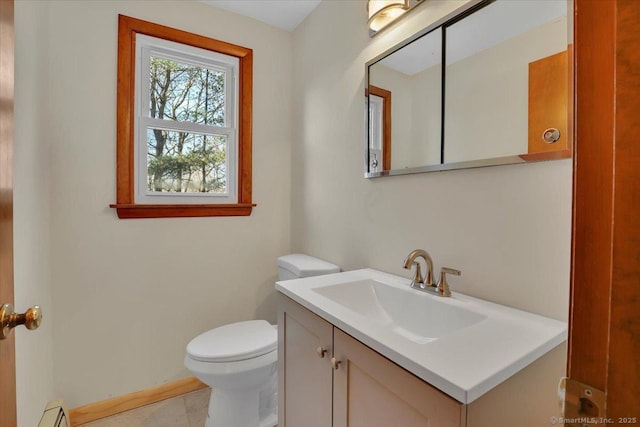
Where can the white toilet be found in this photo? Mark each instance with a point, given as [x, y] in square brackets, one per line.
[239, 361]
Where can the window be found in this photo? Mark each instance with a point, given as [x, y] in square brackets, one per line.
[184, 124]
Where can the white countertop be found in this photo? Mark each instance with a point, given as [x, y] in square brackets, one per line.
[465, 363]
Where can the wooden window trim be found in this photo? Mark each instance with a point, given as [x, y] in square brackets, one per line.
[125, 195]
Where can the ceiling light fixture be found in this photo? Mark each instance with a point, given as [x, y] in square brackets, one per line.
[383, 12]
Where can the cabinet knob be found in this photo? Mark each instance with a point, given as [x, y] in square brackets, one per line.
[321, 352]
[335, 363]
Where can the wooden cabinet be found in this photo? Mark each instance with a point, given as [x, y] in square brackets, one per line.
[365, 389]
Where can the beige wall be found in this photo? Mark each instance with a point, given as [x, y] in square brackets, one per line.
[32, 233]
[415, 139]
[507, 228]
[130, 294]
[501, 98]
[399, 84]
[426, 113]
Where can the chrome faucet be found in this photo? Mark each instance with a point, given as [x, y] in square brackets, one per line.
[418, 281]
[426, 284]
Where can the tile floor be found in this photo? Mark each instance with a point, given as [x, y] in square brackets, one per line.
[189, 410]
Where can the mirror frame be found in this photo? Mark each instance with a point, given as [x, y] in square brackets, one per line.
[448, 20]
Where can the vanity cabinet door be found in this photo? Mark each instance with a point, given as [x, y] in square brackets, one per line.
[372, 391]
[304, 369]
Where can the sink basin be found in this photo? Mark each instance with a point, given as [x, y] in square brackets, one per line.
[412, 314]
[462, 345]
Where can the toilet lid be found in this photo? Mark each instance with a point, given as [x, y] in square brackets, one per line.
[234, 342]
[302, 265]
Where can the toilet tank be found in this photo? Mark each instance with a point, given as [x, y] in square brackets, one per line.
[296, 266]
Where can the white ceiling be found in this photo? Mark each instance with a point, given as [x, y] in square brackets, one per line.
[285, 14]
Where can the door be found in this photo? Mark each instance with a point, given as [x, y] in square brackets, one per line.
[604, 327]
[370, 390]
[548, 95]
[304, 372]
[379, 131]
[376, 106]
[7, 346]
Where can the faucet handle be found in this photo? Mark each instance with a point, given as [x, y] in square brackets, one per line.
[443, 286]
[447, 270]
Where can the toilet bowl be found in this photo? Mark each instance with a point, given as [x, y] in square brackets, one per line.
[239, 361]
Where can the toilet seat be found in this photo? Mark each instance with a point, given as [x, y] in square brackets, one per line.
[228, 370]
[234, 342]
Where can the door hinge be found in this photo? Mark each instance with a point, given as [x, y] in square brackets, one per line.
[582, 405]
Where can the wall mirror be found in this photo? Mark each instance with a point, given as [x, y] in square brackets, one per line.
[488, 85]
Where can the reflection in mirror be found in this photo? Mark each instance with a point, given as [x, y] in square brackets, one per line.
[489, 84]
[415, 137]
[379, 129]
[495, 58]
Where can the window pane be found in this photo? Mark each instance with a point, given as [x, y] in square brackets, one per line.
[186, 93]
[180, 162]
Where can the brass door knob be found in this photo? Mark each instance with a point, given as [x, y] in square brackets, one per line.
[551, 135]
[9, 319]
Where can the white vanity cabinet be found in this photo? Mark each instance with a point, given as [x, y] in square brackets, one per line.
[350, 385]
[329, 379]
[305, 383]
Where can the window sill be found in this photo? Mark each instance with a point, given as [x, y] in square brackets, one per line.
[128, 211]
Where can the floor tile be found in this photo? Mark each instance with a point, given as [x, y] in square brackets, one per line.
[167, 413]
[197, 403]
